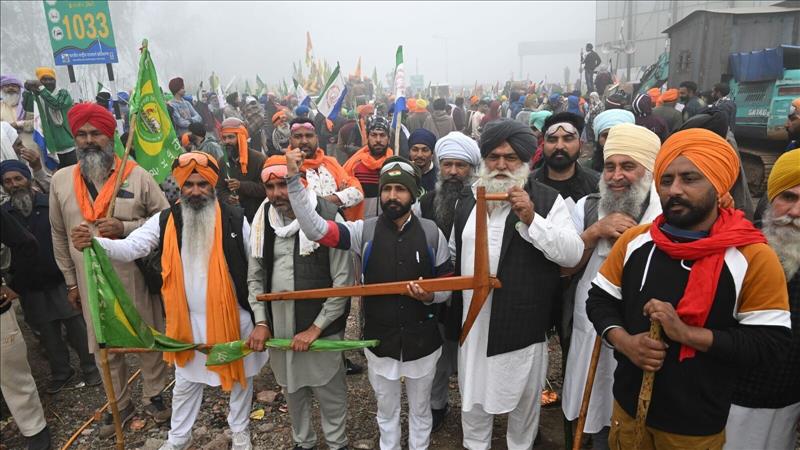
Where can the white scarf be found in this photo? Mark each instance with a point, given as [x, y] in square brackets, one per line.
[282, 229]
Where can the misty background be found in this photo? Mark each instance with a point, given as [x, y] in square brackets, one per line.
[459, 43]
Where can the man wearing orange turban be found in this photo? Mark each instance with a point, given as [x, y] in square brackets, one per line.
[53, 107]
[666, 110]
[240, 170]
[793, 124]
[80, 203]
[766, 403]
[204, 248]
[706, 275]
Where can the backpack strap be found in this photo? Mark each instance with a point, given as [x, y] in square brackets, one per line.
[590, 208]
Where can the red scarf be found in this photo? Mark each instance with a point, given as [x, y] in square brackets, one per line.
[730, 230]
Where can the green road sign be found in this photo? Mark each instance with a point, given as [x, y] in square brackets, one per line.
[80, 32]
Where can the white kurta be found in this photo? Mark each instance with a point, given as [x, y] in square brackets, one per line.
[496, 383]
[583, 335]
[142, 242]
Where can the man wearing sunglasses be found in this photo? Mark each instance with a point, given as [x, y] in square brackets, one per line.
[204, 249]
[282, 258]
[394, 246]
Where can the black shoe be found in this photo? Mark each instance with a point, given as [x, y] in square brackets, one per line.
[438, 417]
[93, 379]
[40, 440]
[55, 386]
[107, 429]
[352, 368]
[158, 410]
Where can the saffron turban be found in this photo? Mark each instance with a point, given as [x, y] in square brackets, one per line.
[635, 141]
[422, 105]
[274, 166]
[45, 72]
[195, 162]
[278, 115]
[175, 85]
[609, 118]
[474, 100]
[411, 104]
[795, 107]
[457, 145]
[709, 152]
[365, 110]
[654, 94]
[232, 125]
[785, 174]
[93, 114]
[670, 95]
[518, 136]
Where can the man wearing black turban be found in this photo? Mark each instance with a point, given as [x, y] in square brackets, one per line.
[561, 150]
[517, 135]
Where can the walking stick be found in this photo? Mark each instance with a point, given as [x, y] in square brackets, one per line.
[646, 391]
[109, 387]
[587, 393]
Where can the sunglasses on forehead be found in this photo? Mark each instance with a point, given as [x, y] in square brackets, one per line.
[199, 158]
[404, 166]
[303, 126]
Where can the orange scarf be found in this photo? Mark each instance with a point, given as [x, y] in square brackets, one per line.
[93, 210]
[241, 136]
[364, 157]
[222, 310]
[340, 176]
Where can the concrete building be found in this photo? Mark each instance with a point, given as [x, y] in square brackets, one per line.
[639, 25]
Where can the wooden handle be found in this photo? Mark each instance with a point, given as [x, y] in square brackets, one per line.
[118, 178]
[587, 393]
[502, 196]
[646, 391]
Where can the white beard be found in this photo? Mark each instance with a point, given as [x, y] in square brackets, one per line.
[782, 234]
[197, 234]
[495, 185]
[629, 202]
[11, 100]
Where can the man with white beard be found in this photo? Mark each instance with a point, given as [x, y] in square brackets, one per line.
[503, 362]
[204, 246]
[766, 402]
[627, 197]
[11, 109]
[81, 195]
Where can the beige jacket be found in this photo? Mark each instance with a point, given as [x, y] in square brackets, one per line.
[133, 210]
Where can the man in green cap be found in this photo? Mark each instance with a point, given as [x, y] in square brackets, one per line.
[396, 245]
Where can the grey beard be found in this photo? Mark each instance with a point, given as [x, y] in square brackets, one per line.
[95, 165]
[494, 185]
[781, 233]
[445, 201]
[11, 100]
[197, 234]
[630, 202]
[22, 200]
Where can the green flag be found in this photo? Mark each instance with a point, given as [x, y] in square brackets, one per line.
[117, 323]
[261, 87]
[154, 137]
[247, 90]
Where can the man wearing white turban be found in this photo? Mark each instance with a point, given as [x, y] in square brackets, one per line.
[627, 197]
[459, 157]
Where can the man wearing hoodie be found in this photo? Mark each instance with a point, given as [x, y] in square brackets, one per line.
[440, 123]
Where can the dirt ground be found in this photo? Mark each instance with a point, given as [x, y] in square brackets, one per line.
[68, 410]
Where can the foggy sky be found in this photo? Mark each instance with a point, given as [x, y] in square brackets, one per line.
[191, 39]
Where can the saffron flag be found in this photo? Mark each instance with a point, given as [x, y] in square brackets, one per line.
[399, 86]
[332, 96]
[309, 49]
[117, 323]
[154, 136]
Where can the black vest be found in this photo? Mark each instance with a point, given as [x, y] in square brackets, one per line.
[521, 309]
[407, 328]
[232, 246]
[428, 209]
[310, 272]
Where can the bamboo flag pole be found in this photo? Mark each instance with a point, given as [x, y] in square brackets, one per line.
[646, 391]
[397, 130]
[587, 393]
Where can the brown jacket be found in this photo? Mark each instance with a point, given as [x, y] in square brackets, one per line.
[138, 199]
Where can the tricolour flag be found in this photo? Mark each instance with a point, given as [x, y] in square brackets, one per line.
[332, 96]
[117, 323]
[301, 94]
[154, 137]
[399, 86]
[38, 136]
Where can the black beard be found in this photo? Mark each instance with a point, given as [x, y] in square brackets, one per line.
[377, 150]
[447, 193]
[394, 210]
[695, 213]
[22, 199]
[232, 149]
[197, 202]
[560, 164]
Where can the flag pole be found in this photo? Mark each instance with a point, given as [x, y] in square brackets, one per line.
[119, 174]
[587, 393]
[397, 130]
[645, 392]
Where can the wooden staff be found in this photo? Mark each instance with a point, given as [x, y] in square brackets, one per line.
[646, 391]
[109, 387]
[152, 350]
[587, 393]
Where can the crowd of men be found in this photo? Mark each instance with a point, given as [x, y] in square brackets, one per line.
[271, 196]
